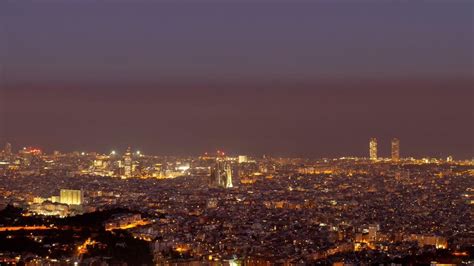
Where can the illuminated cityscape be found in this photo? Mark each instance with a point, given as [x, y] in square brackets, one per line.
[236, 133]
[217, 208]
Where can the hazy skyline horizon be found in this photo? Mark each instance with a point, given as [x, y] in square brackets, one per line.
[121, 149]
[335, 120]
[313, 79]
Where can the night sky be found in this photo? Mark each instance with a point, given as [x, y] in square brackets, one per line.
[295, 78]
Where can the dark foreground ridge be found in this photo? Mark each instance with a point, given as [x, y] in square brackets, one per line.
[68, 240]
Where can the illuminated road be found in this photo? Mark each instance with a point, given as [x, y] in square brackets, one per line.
[128, 226]
[17, 228]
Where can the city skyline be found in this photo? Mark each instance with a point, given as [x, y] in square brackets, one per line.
[290, 79]
[372, 154]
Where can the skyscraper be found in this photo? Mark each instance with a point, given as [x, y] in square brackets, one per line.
[395, 149]
[127, 163]
[8, 149]
[373, 149]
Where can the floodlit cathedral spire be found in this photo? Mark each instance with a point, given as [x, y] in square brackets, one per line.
[221, 174]
[228, 176]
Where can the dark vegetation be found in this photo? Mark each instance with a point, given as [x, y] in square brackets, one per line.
[115, 247]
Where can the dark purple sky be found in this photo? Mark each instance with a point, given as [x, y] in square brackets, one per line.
[309, 78]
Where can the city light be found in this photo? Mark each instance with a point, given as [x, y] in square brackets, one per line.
[240, 195]
[241, 134]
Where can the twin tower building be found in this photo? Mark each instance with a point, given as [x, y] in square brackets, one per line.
[395, 149]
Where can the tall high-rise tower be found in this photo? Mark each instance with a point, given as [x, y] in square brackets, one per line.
[8, 149]
[395, 150]
[127, 163]
[373, 149]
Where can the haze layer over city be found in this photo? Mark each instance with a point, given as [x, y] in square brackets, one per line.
[236, 132]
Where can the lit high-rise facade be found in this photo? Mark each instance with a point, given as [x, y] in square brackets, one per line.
[395, 150]
[373, 149]
[71, 197]
[127, 164]
[8, 149]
